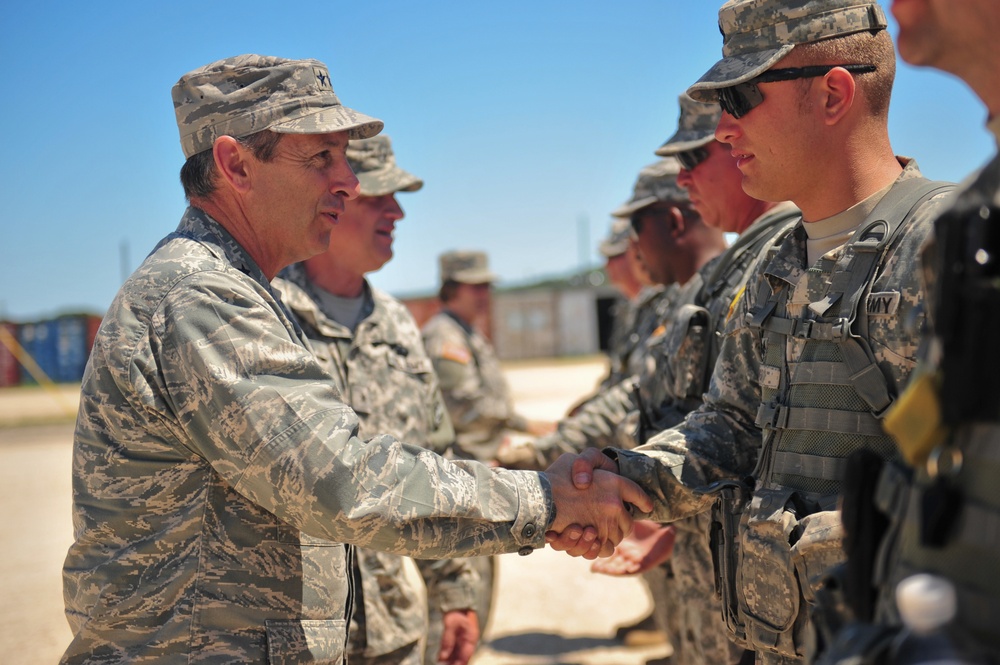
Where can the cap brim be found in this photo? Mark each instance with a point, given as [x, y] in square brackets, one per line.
[331, 119]
[474, 277]
[611, 250]
[632, 206]
[683, 141]
[735, 69]
[388, 181]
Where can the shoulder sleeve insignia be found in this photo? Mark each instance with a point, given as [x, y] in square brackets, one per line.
[455, 352]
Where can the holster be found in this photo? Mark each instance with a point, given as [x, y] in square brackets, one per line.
[732, 498]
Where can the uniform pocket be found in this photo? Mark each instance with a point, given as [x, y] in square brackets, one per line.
[767, 584]
[819, 549]
[306, 641]
[687, 346]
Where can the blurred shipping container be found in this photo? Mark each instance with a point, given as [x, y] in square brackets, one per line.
[10, 368]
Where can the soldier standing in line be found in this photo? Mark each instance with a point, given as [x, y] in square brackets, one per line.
[714, 184]
[626, 274]
[822, 341]
[217, 474]
[371, 346]
[936, 511]
[674, 245]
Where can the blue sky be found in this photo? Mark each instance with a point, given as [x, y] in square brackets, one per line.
[528, 122]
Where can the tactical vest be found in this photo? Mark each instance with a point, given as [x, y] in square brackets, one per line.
[947, 509]
[822, 398]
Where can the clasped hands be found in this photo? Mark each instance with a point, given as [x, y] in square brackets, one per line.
[592, 504]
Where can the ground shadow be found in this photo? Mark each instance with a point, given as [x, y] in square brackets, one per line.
[548, 644]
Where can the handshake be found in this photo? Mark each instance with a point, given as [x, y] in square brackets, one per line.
[593, 504]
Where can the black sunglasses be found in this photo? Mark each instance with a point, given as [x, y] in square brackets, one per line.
[692, 158]
[738, 100]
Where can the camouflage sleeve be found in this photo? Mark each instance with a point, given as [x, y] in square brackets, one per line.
[719, 440]
[254, 402]
[595, 425]
[472, 407]
[452, 583]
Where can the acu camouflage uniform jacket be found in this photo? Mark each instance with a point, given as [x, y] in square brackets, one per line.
[473, 384]
[217, 472]
[722, 441]
[383, 373]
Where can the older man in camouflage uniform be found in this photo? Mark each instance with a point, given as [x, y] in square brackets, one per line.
[371, 346]
[822, 339]
[216, 470]
[936, 511]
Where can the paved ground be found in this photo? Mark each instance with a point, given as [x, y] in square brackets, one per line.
[550, 608]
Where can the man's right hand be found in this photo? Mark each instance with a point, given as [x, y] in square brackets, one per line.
[590, 522]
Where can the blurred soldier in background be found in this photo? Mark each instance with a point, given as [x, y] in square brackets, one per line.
[371, 346]
[475, 391]
[936, 512]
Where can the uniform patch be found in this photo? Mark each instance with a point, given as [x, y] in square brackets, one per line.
[456, 352]
[770, 377]
[883, 304]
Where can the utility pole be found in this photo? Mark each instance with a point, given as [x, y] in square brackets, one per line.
[583, 237]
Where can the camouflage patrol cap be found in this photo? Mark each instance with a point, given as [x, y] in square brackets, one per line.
[618, 239]
[756, 34]
[695, 127]
[465, 267]
[656, 182]
[375, 165]
[247, 94]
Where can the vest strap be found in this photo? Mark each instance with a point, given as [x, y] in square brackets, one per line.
[779, 416]
[810, 466]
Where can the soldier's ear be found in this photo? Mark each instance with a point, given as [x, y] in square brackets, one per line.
[232, 162]
[677, 225]
[837, 91]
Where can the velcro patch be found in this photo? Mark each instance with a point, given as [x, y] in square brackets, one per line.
[770, 377]
[883, 304]
[456, 352]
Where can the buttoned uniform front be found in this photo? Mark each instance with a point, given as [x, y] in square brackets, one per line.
[217, 474]
[382, 371]
[790, 534]
[475, 390]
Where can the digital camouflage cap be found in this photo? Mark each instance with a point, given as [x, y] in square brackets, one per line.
[465, 267]
[756, 34]
[375, 166]
[247, 94]
[695, 126]
[656, 182]
[618, 239]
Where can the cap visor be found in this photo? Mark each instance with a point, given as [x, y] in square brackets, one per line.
[388, 181]
[682, 141]
[735, 69]
[630, 207]
[331, 119]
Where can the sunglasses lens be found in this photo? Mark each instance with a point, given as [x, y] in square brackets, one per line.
[636, 225]
[692, 158]
[740, 99]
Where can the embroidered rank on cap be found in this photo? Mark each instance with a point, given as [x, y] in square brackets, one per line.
[455, 352]
[323, 77]
[883, 304]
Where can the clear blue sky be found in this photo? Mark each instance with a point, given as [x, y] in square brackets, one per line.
[527, 120]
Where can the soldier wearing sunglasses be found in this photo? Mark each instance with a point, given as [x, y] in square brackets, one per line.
[824, 337]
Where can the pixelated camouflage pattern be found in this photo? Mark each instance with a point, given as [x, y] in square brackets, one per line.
[969, 558]
[759, 33]
[247, 94]
[374, 164]
[217, 474]
[695, 126]
[382, 372]
[477, 395]
[656, 182]
[720, 440]
[634, 321]
[466, 267]
[617, 241]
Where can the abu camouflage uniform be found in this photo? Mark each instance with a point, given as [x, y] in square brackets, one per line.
[788, 371]
[217, 474]
[477, 395]
[382, 372]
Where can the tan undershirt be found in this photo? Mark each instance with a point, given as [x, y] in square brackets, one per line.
[827, 235]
